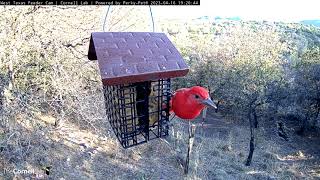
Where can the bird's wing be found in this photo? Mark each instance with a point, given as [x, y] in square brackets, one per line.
[180, 91]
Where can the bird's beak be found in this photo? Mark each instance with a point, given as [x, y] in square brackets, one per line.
[209, 102]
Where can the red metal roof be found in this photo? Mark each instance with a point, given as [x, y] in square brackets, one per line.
[127, 57]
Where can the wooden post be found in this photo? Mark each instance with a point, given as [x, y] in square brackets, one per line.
[191, 130]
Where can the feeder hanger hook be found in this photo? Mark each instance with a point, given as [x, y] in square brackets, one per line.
[107, 13]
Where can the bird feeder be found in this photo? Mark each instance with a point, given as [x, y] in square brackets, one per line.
[135, 69]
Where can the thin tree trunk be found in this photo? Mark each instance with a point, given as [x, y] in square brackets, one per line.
[255, 118]
[218, 104]
[251, 147]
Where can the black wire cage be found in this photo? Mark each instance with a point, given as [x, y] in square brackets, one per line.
[136, 68]
[138, 112]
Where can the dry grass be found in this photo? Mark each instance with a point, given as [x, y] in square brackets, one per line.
[74, 152]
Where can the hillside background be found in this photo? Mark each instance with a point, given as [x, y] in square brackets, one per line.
[52, 117]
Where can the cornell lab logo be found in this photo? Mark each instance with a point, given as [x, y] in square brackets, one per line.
[16, 171]
[19, 171]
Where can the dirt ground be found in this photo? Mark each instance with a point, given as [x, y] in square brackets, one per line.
[219, 152]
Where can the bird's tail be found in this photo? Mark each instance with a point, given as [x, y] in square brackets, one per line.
[164, 106]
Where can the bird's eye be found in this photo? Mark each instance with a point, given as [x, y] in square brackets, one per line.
[197, 96]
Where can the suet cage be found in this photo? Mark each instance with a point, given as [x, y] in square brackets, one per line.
[135, 69]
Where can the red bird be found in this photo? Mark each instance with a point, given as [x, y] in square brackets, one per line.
[187, 103]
